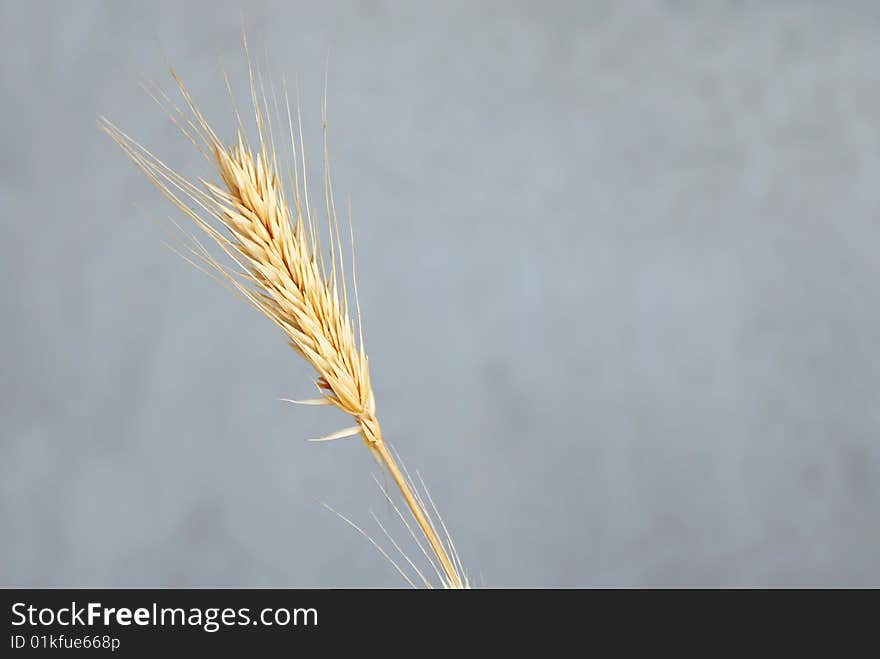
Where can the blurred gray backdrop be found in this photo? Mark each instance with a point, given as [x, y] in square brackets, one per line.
[619, 265]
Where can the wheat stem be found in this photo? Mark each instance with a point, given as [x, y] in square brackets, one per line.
[383, 455]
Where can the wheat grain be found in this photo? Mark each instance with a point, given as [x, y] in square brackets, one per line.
[278, 265]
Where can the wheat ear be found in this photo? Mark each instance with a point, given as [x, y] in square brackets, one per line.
[279, 264]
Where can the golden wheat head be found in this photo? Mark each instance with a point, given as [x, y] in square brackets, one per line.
[276, 262]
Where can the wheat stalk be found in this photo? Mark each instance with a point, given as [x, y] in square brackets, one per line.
[278, 264]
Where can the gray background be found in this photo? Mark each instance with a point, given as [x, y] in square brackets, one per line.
[618, 264]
